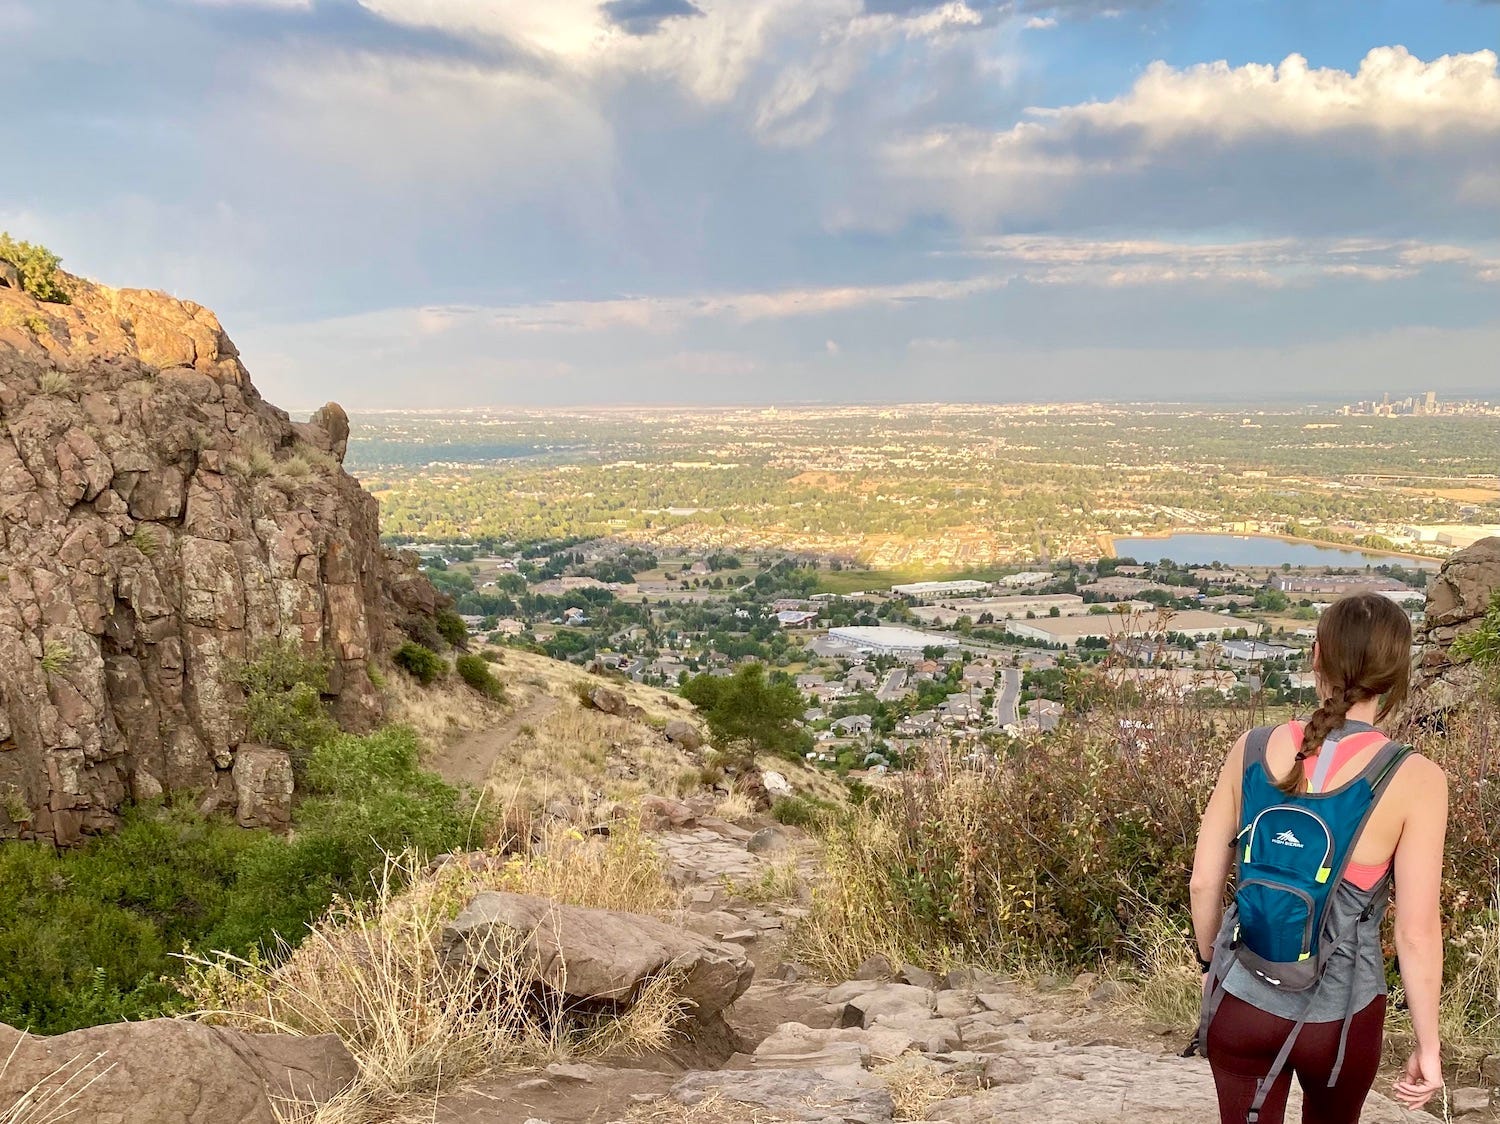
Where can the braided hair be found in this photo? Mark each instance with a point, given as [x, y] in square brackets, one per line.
[1364, 652]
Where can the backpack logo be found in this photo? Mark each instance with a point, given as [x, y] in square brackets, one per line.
[1287, 839]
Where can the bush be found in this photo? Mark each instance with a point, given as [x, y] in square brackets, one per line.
[37, 266]
[420, 662]
[1481, 644]
[89, 935]
[284, 691]
[474, 671]
[798, 811]
[451, 628]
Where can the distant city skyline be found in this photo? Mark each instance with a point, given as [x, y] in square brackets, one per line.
[408, 203]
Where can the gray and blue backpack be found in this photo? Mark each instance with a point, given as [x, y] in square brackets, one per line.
[1291, 853]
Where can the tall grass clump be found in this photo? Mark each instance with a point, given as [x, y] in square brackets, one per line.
[372, 973]
[1057, 849]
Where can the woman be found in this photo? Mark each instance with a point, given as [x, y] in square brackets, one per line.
[1361, 663]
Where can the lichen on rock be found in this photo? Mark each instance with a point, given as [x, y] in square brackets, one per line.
[159, 521]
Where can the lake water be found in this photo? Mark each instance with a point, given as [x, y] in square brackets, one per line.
[1251, 550]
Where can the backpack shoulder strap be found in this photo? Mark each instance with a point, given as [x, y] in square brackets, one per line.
[1256, 743]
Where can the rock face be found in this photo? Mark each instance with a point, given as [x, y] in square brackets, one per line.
[159, 521]
[595, 954]
[1457, 600]
[166, 1071]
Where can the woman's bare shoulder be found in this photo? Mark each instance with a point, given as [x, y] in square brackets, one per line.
[1421, 779]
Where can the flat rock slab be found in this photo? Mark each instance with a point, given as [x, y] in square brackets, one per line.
[841, 1094]
[1106, 1084]
[593, 954]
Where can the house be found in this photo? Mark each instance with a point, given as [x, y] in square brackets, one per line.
[860, 679]
[808, 681]
[853, 724]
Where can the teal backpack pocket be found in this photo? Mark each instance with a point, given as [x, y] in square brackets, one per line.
[1276, 921]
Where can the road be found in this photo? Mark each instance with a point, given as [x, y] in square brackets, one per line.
[893, 687]
[1008, 696]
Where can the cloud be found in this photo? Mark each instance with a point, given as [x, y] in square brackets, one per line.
[1040, 23]
[642, 17]
[1408, 143]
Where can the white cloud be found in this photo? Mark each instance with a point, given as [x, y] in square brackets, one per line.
[386, 122]
[1221, 143]
[1041, 23]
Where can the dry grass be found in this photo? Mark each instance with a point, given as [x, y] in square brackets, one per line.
[53, 1098]
[371, 974]
[916, 1085]
[780, 882]
[712, 1109]
[735, 804]
[58, 384]
[1160, 978]
[439, 712]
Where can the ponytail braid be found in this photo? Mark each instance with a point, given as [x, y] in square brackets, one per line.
[1325, 720]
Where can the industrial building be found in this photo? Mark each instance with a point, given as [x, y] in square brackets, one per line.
[1070, 630]
[889, 639]
[942, 589]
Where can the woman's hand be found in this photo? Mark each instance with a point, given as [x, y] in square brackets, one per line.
[1422, 1078]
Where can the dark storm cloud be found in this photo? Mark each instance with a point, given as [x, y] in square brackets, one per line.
[642, 17]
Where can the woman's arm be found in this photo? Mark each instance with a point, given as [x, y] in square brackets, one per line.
[1419, 930]
[1214, 855]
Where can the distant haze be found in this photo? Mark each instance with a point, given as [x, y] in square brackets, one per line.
[444, 203]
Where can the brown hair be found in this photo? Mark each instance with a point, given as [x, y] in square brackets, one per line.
[1364, 652]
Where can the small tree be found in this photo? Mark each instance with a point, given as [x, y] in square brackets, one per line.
[37, 266]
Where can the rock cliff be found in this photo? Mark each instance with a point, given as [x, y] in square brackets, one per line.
[1457, 601]
[160, 522]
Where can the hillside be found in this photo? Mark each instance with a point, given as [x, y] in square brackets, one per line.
[162, 523]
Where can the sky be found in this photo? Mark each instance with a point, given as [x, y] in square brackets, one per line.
[445, 203]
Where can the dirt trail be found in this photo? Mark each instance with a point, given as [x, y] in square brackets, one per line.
[969, 1048]
[469, 759]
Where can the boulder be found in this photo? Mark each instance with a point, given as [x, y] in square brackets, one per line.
[766, 841]
[1457, 601]
[593, 954]
[169, 1071]
[608, 701]
[10, 276]
[682, 733]
[262, 786]
[776, 785]
[658, 813]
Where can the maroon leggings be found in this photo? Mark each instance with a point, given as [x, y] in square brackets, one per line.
[1243, 1042]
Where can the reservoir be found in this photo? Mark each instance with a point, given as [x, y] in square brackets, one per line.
[1253, 550]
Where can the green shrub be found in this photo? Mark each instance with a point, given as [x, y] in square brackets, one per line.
[37, 266]
[474, 671]
[90, 935]
[420, 662]
[798, 811]
[284, 689]
[451, 628]
[1481, 644]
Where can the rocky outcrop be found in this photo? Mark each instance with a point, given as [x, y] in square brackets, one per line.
[594, 955]
[159, 522]
[1457, 601]
[167, 1071]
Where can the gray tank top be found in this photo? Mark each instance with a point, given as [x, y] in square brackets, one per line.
[1355, 974]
